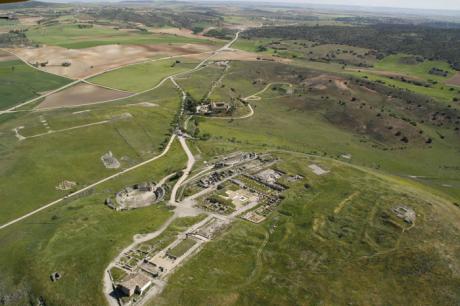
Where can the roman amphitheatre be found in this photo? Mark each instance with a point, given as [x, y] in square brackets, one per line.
[228, 154]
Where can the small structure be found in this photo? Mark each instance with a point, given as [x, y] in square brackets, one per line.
[109, 161]
[135, 283]
[151, 269]
[269, 175]
[210, 229]
[318, 170]
[220, 107]
[295, 178]
[405, 213]
[203, 109]
[136, 196]
[55, 276]
[66, 185]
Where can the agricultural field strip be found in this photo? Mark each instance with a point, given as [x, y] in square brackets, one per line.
[106, 87]
[190, 162]
[197, 68]
[85, 80]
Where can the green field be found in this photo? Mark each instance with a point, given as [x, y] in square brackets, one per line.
[137, 78]
[77, 239]
[311, 253]
[199, 83]
[75, 155]
[307, 54]
[396, 63]
[182, 247]
[334, 239]
[309, 123]
[72, 37]
[19, 83]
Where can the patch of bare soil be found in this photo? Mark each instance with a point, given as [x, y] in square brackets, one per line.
[180, 32]
[29, 20]
[321, 82]
[5, 56]
[80, 94]
[455, 80]
[80, 63]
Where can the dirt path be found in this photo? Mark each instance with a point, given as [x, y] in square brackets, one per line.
[67, 129]
[255, 97]
[85, 79]
[199, 66]
[168, 146]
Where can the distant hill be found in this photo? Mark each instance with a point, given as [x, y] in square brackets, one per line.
[27, 4]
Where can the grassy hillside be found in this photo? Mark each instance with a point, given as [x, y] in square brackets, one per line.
[335, 243]
[78, 239]
[334, 119]
[133, 133]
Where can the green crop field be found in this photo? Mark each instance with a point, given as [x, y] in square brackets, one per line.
[73, 37]
[19, 83]
[136, 78]
[133, 134]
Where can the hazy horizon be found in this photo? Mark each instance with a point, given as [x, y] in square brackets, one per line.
[396, 4]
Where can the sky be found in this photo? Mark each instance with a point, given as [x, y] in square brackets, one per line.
[411, 4]
[416, 4]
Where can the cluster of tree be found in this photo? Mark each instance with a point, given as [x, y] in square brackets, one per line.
[429, 42]
[362, 20]
[222, 33]
[158, 17]
[190, 104]
[13, 38]
[438, 72]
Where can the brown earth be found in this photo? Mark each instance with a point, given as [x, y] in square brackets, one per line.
[80, 94]
[5, 56]
[29, 20]
[180, 32]
[455, 80]
[89, 61]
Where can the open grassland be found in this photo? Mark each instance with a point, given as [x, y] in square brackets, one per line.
[73, 37]
[141, 77]
[361, 62]
[407, 64]
[324, 121]
[335, 243]
[19, 83]
[78, 239]
[55, 152]
[309, 50]
[198, 83]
